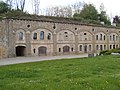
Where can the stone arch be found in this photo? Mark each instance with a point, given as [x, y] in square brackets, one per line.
[18, 31]
[66, 49]
[42, 28]
[85, 31]
[101, 36]
[42, 50]
[85, 35]
[101, 32]
[66, 30]
[20, 50]
[65, 36]
[46, 31]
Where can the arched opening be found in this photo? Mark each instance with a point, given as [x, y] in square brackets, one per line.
[85, 48]
[42, 50]
[66, 49]
[20, 50]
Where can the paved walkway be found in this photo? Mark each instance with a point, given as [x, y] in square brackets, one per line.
[17, 60]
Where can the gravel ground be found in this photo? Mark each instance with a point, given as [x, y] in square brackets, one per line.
[17, 60]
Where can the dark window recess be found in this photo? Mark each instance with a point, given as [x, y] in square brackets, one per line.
[75, 28]
[85, 33]
[59, 49]
[54, 26]
[34, 50]
[72, 49]
[93, 29]
[66, 33]
[85, 39]
[49, 36]
[35, 36]
[28, 26]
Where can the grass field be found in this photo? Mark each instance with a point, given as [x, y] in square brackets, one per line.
[99, 73]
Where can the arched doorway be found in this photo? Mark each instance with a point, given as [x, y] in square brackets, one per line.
[66, 49]
[85, 48]
[20, 50]
[42, 51]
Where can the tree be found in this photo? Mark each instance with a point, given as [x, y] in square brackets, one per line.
[88, 12]
[59, 11]
[116, 20]
[4, 7]
[35, 6]
[103, 16]
[77, 6]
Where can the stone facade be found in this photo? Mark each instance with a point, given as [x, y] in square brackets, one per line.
[27, 37]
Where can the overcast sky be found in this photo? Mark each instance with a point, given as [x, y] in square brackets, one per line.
[111, 6]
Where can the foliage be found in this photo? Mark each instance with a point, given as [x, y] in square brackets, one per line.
[89, 12]
[108, 52]
[103, 16]
[68, 74]
[105, 52]
[4, 7]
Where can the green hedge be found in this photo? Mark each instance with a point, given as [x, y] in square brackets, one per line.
[108, 52]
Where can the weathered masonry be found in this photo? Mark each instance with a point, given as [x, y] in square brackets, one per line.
[30, 37]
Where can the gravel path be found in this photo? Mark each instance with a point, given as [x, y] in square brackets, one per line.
[17, 60]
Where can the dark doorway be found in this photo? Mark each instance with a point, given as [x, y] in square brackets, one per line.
[66, 49]
[85, 48]
[42, 50]
[20, 51]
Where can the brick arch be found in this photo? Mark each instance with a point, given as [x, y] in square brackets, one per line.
[113, 33]
[65, 30]
[46, 31]
[101, 32]
[70, 36]
[85, 31]
[81, 36]
[66, 49]
[43, 28]
[42, 50]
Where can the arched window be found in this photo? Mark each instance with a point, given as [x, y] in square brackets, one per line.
[116, 38]
[35, 36]
[97, 47]
[110, 38]
[104, 37]
[20, 35]
[101, 47]
[49, 36]
[42, 35]
[100, 36]
[89, 47]
[104, 47]
[34, 50]
[80, 47]
[110, 46]
[72, 49]
[113, 37]
[96, 37]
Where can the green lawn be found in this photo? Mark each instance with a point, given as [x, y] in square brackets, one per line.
[99, 73]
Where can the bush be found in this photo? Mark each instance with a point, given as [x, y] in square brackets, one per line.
[105, 52]
[108, 52]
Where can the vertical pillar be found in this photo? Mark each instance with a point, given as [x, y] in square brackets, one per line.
[76, 43]
[28, 43]
[10, 38]
[54, 43]
[107, 42]
[93, 43]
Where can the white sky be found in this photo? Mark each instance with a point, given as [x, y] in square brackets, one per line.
[111, 6]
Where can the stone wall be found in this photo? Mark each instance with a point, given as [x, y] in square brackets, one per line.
[59, 38]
